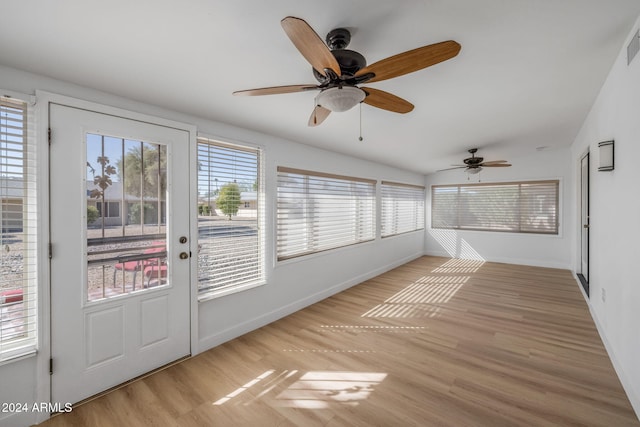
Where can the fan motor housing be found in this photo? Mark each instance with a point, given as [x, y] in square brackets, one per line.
[350, 61]
[338, 38]
[473, 160]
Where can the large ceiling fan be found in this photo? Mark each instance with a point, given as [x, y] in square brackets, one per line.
[475, 164]
[340, 71]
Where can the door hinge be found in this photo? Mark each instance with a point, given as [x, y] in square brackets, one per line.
[50, 250]
[49, 135]
[51, 366]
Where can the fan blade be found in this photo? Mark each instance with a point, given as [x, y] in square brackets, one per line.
[410, 61]
[448, 169]
[386, 101]
[318, 115]
[310, 45]
[497, 165]
[493, 162]
[275, 90]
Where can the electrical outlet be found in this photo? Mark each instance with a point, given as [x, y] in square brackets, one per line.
[604, 295]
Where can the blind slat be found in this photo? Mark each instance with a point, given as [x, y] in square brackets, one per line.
[318, 211]
[402, 208]
[521, 207]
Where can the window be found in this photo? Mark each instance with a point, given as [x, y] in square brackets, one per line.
[402, 208]
[319, 211]
[230, 217]
[18, 237]
[112, 211]
[517, 207]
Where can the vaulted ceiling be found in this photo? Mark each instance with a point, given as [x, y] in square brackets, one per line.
[527, 74]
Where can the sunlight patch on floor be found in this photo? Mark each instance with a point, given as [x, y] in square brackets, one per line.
[319, 389]
[459, 266]
[421, 298]
[372, 328]
[324, 350]
[245, 387]
[311, 390]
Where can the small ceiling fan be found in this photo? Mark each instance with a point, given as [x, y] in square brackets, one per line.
[339, 71]
[474, 165]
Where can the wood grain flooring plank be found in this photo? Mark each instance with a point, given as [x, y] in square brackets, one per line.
[435, 342]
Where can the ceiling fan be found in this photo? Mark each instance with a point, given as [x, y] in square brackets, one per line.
[474, 165]
[340, 71]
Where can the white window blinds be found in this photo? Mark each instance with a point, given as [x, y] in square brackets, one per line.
[402, 208]
[319, 211]
[230, 216]
[517, 207]
[18, 236]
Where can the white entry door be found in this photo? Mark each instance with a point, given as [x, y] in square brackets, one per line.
[120, 286]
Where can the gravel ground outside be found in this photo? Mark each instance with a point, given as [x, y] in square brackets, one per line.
[102, 283]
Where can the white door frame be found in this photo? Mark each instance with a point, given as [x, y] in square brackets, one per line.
[43, 99]
[583, 222]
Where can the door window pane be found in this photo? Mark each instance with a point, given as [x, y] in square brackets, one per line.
[126, 216]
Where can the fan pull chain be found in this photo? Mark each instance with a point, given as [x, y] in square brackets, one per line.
[360, 138]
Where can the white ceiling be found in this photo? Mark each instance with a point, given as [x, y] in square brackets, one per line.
[527, 74]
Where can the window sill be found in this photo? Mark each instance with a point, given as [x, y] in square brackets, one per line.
[420, 230]
[497, 232]
[11, 358]
[219, 293]
[322, 253]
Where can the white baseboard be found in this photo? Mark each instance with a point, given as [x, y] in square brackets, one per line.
[627, 385]
[249, 325]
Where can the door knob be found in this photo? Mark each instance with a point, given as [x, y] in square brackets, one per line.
[585, 225]
[183, 255]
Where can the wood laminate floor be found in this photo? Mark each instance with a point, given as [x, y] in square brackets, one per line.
[436, 342]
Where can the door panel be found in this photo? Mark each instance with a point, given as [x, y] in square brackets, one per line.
[120, 293]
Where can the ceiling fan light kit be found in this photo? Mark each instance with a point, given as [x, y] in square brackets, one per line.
[339, 71]
[339, 99]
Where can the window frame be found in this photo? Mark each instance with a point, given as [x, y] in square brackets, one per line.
[419, 219]
[556, 232]
[307, 174]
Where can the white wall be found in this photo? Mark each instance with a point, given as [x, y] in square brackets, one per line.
[18, 381]
[512, 248]
[615, 218]
[290, 286]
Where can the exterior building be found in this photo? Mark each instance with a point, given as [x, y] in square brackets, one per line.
[119, 209]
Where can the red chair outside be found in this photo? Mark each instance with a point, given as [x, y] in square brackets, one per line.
[138, 265]
[155, 272]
